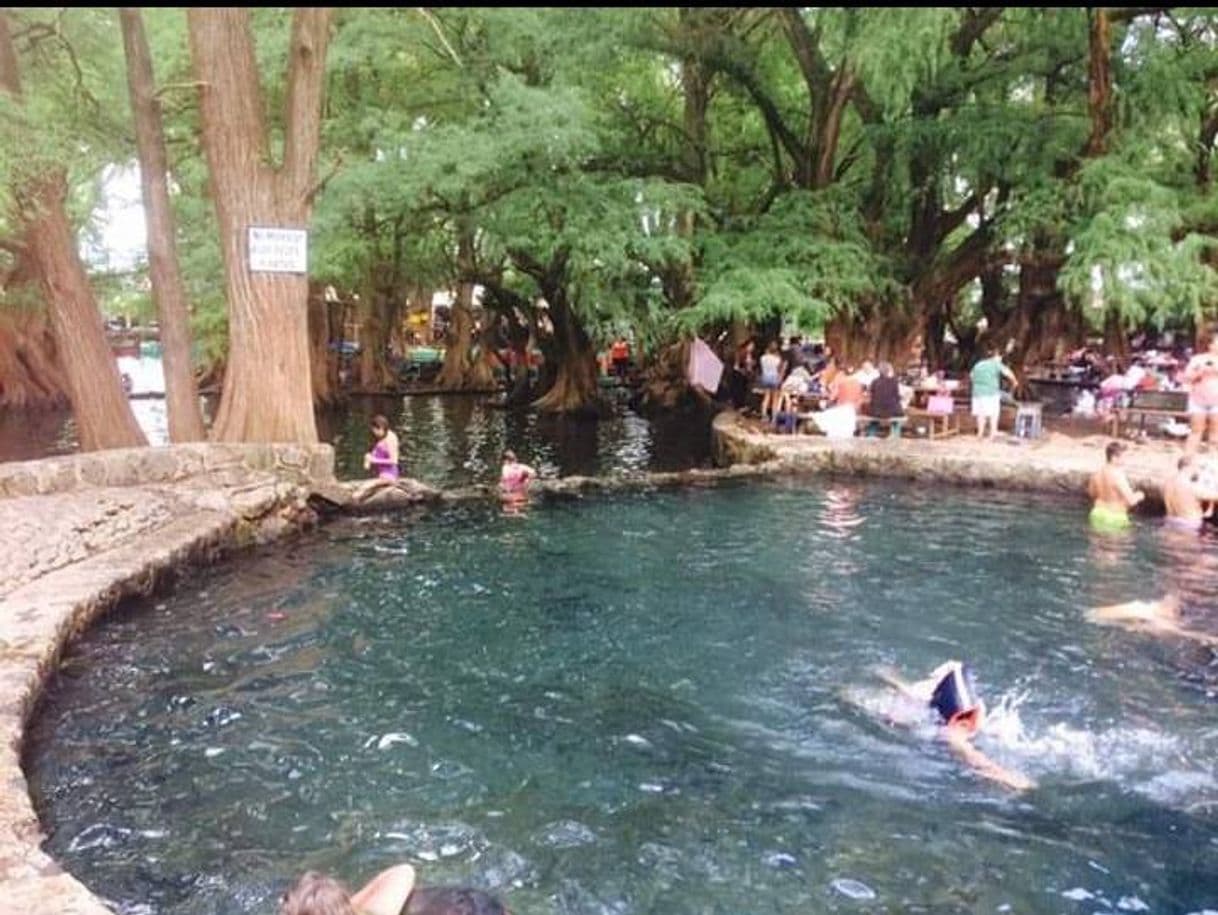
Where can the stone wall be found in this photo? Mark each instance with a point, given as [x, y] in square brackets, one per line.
[214, 462]
[1054, 464]
[78, 534]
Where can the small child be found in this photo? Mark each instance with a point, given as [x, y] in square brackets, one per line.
[514, 477]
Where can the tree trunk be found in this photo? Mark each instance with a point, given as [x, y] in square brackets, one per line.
[458, 343]
[267, 384]
[322, 364]
[575, 388]
[30, 375]
[482, 371]
[1099, 82]
[181, 395]
[376, 310]
[103, 415]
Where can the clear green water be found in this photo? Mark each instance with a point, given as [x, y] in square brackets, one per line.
[649, 704]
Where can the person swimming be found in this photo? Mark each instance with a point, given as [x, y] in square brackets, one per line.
[950, 690]
[1157, 617]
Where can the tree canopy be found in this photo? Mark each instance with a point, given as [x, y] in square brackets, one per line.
[882, 175]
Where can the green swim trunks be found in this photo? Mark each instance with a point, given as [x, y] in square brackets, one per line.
[1103, 518]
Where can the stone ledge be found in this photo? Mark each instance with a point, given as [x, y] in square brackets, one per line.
[1056, 464]
[169, 464]
[87, 531]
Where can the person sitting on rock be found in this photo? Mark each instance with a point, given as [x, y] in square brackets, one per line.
[391, 892]
[385, 451]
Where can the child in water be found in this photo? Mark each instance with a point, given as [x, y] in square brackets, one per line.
[384, 454]
[514, 477]
[950, 692]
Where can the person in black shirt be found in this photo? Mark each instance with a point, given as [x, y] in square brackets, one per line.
[886, 395]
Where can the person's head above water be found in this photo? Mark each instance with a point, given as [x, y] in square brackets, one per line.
[316, 894]
[509, 457]
[379, 425]
[1113, 452]
[956, 700]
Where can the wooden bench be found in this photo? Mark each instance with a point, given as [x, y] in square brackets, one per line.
[941, 425]
[1149, 404]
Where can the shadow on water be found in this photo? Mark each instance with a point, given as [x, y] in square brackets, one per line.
[455, 440]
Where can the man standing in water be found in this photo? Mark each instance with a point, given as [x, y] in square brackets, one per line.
[1113, 495]
[1184, 496]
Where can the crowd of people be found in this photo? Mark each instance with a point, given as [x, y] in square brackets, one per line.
[800, 373]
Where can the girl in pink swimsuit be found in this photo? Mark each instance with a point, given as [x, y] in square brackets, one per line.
[383, 458]
[514, 478]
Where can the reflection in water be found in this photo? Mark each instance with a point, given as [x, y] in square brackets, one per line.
[448, 440]
[636, 705]
[455, 440]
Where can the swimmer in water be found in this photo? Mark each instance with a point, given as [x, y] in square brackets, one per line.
[950, 692]
[1113, 495]
[1157, 617]
[1185, 495]
[391, 892]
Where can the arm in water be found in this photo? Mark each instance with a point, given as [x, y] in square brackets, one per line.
[959, 741]
[1161, 617]
[386, 893]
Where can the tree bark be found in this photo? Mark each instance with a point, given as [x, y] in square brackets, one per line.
[575, 388]
[103, 415]
[267, 384]
[181, 394]
[1099, 84]
[322, 364]
[461, 371]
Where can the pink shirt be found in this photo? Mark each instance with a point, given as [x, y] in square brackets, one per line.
[514, 478]
[1202, 375]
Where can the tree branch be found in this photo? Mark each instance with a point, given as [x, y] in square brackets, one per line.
[435, 27]
[306, 82]
[325, 179]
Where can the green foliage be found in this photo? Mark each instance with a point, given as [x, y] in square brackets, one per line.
[563, 142]
[807, 259]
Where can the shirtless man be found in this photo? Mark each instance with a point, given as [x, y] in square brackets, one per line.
[1112, 493]
[1157, 617]
[949, 691]
[1184, 496]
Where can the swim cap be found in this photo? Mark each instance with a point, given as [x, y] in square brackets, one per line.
[955, 697]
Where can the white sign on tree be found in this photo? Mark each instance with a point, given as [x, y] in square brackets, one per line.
[278, 250]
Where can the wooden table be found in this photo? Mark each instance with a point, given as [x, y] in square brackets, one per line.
[940, 425]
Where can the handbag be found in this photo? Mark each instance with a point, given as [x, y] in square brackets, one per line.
[940, 405]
